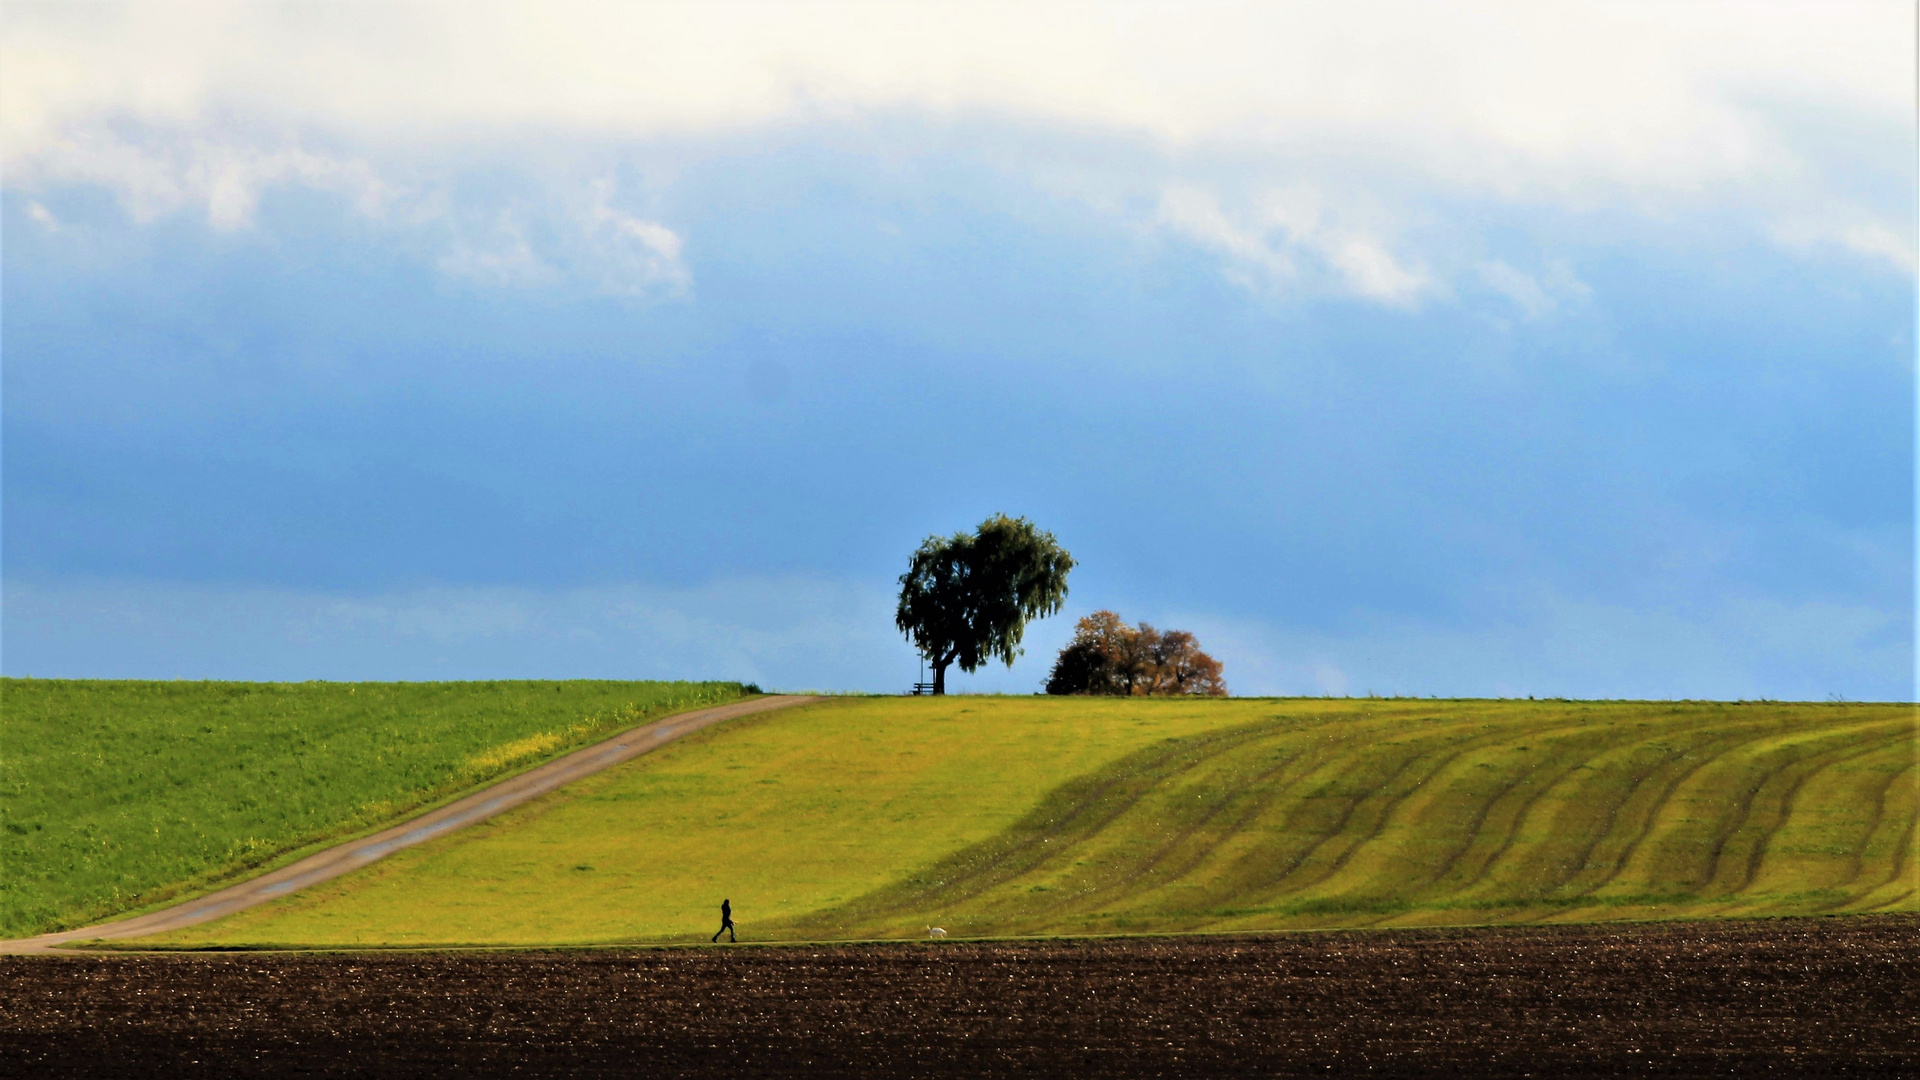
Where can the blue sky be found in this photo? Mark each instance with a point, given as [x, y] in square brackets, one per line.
[1499, 352]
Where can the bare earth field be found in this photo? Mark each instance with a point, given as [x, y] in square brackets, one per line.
[1793, 997]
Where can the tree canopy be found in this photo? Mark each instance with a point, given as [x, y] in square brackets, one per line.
[1106, 656]
[967, 598]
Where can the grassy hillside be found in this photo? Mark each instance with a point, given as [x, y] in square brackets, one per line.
[114, 794]
[878, 817]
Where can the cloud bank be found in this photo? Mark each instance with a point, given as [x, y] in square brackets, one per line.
[1285, 135]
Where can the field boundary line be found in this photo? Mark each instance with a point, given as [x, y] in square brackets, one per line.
[344, 858]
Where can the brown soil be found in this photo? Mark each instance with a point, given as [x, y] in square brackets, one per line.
[1799, 998]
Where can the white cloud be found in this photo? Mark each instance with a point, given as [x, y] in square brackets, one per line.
[1510, 94]
[1266, 246]
[160, 174]
[43, 216]
[567, 235]
[1374, 273]
[1641, 105]
[499, 256]
[1196, 214]
[1536, 297]
[634, 256]
[1855, 233]
[1882, 242]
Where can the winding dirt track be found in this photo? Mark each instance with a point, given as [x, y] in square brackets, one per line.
[479, 806]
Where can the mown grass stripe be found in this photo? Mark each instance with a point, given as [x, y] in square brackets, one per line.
[1902, 882]
[1640, 827]
[1080, 808]
[1378, 805]
[1685, 841]
[1595, 817]
[1879, 800]
[1474, 834]
[1789, 781]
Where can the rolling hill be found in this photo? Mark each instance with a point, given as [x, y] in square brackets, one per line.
[877, 817]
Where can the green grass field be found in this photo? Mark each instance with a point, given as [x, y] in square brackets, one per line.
[118, 794]
[874, 818]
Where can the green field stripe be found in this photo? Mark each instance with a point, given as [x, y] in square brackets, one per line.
[1892, 793]
[1903, 875]
[1774, 808]
[1682, 846]
[1077, 809]
[1122, 856]
[1761, 807]
[1569, 833]
[1180, 856]
[1901, 886]
[1817, 854]
[1323, 805]
[1431, 828]
[1499, 830]
[1255, 794]
[1372, 814]
[1271, 878]
[1203, 860]
[1174, 891]
[1469, 811]
[1636, 825]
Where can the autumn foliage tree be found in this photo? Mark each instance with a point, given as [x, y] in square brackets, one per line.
[1106, 656]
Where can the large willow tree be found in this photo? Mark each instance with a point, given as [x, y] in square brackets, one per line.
[966, 598]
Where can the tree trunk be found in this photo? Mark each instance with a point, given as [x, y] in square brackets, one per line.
[940, 676]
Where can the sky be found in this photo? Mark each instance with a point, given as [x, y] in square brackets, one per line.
[1562, 350]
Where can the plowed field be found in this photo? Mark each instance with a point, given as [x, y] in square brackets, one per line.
[1797, 997]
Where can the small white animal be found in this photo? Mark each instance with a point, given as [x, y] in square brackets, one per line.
[935, 931]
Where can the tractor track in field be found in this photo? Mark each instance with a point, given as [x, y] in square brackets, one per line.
[1765, 763]
[1765, 767]
[489, 801]
[1903, 859]
[1738, 739]
[1800, 771]
[1879, 803]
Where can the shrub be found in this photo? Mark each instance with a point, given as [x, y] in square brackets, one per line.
[1106, 656]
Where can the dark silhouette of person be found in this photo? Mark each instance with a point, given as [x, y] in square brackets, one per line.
[726, 921]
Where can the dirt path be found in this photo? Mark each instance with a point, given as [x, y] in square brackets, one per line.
[348, 857]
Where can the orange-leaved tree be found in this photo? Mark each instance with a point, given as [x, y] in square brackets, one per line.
[1106, 656]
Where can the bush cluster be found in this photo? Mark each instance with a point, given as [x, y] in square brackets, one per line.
[1106, 656]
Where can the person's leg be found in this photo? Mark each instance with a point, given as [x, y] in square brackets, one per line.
[730, 936]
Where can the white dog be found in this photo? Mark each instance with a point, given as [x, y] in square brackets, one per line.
[936, 932]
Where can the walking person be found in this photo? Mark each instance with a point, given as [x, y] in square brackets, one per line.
[726, 921]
